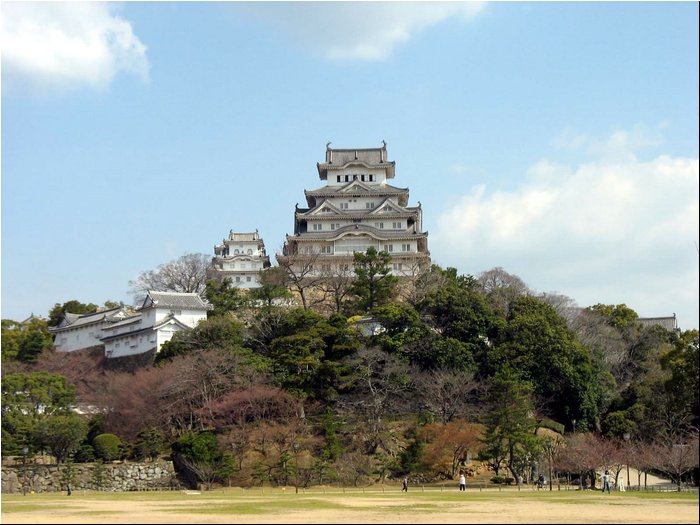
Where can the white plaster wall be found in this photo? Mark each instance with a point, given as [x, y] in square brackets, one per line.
[379, 175]
[79, 337]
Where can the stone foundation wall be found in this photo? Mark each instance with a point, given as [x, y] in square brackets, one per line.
[119, 477]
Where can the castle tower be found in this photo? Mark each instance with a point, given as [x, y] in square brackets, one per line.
[240, 257]
[356, 209]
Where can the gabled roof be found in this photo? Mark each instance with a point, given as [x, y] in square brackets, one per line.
[76, 320]
[388, 206]
[169, 319]
[356, 187]
[129, 320]
[357, 230]
[189, 301]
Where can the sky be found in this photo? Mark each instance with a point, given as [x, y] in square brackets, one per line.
[557, 140]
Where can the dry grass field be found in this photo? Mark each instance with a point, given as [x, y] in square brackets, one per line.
[335, 506]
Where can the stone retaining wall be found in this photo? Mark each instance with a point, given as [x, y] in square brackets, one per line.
[159, 475]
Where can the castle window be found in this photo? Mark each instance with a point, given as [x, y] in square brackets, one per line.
[338, 178]
[396, 225]
[405, 247]
[388, 247]
[362, 178]
[247, 278]
[318, 227]
[369, 205]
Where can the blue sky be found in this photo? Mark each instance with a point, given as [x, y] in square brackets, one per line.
[556, 140]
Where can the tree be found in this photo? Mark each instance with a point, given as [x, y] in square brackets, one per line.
[220, 332]
[273, 286]
[336, 284]
[619, 315]
[25, 341]
[98, 476]
[447, 393]
[449, 447]
[502, 288]
[200, 453]
[61, 435]
[374, 284]
[510, 424]
[683, 365]
[73, 306]
[149, 444]
[223, 297]
[378, 381]
[188, 274]
[456, 310]
[301, 275]
[552, 446]
[537, 342]
[107, 446]
[27, 399]
[676, 454]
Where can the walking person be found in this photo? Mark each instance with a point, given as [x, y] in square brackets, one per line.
[462, 482]
[606, 481]
[404, 485]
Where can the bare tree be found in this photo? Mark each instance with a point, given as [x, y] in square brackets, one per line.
[552, 447]
[447, 392]
[676, 454]
[187, 274]
[301, 275]
[335, 284]
[380, 381]
[502, 288]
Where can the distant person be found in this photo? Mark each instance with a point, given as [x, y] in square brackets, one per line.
[404, 485]
[606, 481]
[540, 482]
[462, 482]
[621, 484]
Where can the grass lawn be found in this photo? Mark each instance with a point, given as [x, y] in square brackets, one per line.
[332, 505]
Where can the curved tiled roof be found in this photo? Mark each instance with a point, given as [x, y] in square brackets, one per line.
[364, 189]
[174, 300]
[75, 320]
[357, 229]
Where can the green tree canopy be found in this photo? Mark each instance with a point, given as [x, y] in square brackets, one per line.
[510, 422]
[61, 435]
[374, 284]
[73, 306]
[223, 297]
[537, 342]
[27, 399]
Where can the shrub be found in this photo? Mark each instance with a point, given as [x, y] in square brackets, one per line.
[107, 446]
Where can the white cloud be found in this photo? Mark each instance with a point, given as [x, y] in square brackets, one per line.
[56, 45]
[359, 30]
[612, 230]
